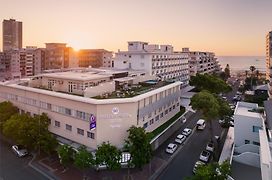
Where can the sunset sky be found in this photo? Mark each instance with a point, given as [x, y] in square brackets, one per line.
[227, 27]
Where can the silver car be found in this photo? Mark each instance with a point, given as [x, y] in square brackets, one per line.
[20, 151]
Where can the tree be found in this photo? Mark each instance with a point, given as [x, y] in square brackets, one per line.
[83, 159]
[6, 111]
[252, 69]
[213, 171]
[31, 132]
[208, 105]
[210, 83]
[227, 71]
[66, 154]
[108, 155]
[138, 146]
[224, 108]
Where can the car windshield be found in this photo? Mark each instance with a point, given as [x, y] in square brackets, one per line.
[205, 153]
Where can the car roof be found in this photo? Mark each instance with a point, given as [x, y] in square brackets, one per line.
[180, 136]
[186, 129]
[171, 145]
[200, 121]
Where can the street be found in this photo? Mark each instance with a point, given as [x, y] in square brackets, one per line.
[15, 168]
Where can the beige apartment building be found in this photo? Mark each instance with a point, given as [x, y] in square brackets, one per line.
[91, 119]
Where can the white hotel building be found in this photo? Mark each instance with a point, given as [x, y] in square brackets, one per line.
[158, 60]
[101, 107]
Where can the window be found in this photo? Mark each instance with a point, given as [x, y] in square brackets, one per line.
[68, 127]
[166, 111]
[170, 109]
[247, 141]
[90, 135]
[161, 115]
[157, 118]
[68, 111]
[256, 143]
[145, 125]
[151, 121]
[80, 131]
[149, 115]
[256, 129]
[57, 123]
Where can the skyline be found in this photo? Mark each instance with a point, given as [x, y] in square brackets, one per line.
[179, 23]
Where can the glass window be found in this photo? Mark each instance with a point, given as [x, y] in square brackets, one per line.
[151, 121]
[256, 143]
[256, 128]
[90, 135]
[157, 118]
[80, 131]
[57, 123]
[68, 127]
[68, 111]
[145, 125]
[247, 141]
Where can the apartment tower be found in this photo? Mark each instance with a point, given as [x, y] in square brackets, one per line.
[12, 34]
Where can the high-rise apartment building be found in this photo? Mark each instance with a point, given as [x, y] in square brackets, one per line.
[269, 60]
[12, 35]
[157, 60]
[201, 62]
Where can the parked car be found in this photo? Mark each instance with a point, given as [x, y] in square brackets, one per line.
[200, 125]
[180, 138]
[239, 93]
[186, 131]
[210, 146]
[205, 156]
[197, 164]
[19, 150]
[183, 119]
[171, 148]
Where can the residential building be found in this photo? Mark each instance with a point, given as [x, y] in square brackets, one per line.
[12, 34]
[39, 61]
[56, 56]
[94, 58]
[4, 65]
[249, 145]
[157, 60]
[269, 60]
[105, 110]
[201, 62]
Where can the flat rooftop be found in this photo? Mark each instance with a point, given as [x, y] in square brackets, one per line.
[74, 75]
[247, 109]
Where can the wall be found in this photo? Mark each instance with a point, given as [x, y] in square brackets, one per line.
[247, 148]
[249, 158]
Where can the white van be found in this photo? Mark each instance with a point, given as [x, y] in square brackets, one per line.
[200, 125]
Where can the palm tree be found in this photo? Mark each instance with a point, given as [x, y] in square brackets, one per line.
[252, 69]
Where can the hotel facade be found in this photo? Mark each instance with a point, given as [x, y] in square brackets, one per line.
[85, 119]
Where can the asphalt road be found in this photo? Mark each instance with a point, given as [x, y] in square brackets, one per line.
[182, 165]
[15, 168]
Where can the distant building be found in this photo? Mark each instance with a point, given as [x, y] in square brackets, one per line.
[12, 34]
[157, 60]
[269, 60]
[201, 62]
[4, 65]
[56, 56]
[94, 58]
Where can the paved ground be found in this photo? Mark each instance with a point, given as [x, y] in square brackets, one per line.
[182, 165]
[14, 168]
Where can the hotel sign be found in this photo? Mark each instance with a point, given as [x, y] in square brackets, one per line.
[92, 122]
[115, 114]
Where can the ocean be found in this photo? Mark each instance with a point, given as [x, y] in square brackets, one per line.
[242, 63]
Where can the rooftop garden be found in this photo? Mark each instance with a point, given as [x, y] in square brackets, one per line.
[132, 90]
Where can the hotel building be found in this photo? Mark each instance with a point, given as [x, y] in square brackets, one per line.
[269, 60]
[201, 62]
[91, 106]
[157, 60]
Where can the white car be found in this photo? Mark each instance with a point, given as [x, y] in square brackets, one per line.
[210, 147]
[197, 164]
[20, 151]
[183, 119]
[186, 131]
[205, 156]
[171, 148]
[180, 139]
